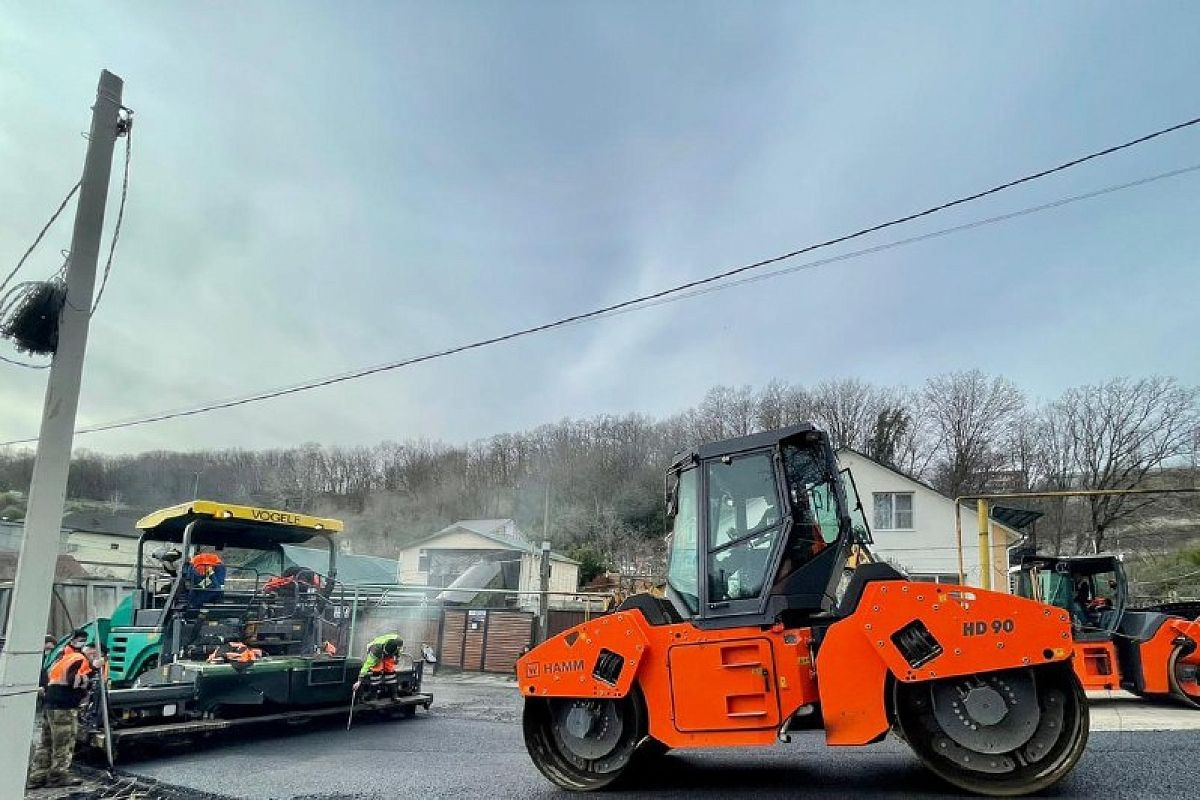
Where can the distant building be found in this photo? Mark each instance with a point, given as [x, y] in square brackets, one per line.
[913, 526]
[97, 544]
[441, 558]
[104, 541]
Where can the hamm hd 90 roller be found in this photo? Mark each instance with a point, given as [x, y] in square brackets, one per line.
[756, 638]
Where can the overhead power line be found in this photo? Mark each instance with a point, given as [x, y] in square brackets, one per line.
[648, 300]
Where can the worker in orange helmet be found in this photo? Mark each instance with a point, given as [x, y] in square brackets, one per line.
[206, 575]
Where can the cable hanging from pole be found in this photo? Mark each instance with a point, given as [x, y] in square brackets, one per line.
[30, 311]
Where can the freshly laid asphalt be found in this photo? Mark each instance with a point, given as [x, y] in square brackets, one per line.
[470, 746]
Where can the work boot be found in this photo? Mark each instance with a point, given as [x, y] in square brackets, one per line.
[58, 781]
[35, 782]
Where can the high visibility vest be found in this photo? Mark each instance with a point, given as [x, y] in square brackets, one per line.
[204, 565]
[235, 652]
[384, 665]
[378, 661]
[60, 669]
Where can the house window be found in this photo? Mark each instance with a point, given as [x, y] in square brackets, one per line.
[423, 561]
[894, 511]
[941, 577]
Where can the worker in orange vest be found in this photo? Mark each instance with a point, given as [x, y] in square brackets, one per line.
[206, 575]
[379, 667]
[66, 687]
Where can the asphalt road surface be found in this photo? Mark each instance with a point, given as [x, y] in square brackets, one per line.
[470, 746]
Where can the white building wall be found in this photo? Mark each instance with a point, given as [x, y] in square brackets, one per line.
[104, 555]
[564, 577]
[409, 557]
[929, 547]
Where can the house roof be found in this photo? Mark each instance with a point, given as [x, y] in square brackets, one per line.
[1015, 518]
[492, 529]
[504, 528]
[99, 520]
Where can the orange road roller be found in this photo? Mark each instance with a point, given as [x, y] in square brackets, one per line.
[1153, 651]
[763, 631]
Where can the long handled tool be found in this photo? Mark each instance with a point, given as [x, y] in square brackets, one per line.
[353, 698]
[102, 683]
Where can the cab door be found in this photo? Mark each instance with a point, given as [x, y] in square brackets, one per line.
[724, 685]
[744, 523]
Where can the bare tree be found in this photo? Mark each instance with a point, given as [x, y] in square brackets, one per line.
[726, 411]
[1110, 436]
[848, 410]
[770, 407]
[971, 415]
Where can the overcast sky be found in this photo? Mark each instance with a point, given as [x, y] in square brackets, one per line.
[318, 187]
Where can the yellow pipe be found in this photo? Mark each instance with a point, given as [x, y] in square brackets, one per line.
[1077, 493]
[985, 548]
[962, 572]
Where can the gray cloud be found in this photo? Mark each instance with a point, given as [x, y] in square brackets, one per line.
[317, 188]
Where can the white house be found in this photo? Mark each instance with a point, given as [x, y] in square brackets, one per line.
[438, 559]
[913, 526]
[104, 541]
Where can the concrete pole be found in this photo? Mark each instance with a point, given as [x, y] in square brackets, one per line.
[21, 661]
[544, 598]
[985, 548]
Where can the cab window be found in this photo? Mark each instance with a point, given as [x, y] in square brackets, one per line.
[744, 520]
[683, 562]
[815, 505]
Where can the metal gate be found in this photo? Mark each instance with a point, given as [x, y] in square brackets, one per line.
[484, 640]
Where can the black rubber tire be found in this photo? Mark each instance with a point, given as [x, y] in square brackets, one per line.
[569, 771]
[913, 726]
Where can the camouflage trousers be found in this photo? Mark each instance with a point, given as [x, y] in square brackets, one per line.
[56, 747]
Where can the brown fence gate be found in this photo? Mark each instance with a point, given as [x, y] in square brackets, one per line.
[484, 640]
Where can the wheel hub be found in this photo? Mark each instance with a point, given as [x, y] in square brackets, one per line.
[989, 715]
[984, 705]
[580, 720]
[588, 729]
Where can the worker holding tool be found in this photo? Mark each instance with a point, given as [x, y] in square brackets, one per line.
[66, 687]
[380, 663]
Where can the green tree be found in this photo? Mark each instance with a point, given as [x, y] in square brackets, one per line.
[591, 563]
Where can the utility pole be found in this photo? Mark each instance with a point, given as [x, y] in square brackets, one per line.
[21, 660]
[543, 597]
